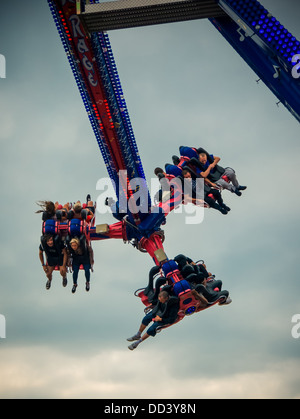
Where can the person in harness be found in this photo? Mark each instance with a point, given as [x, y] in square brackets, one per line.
[56, 255]
[212, 196]
[81, 254]
[164, 313]
[53, 211]
[84, 211]
[207, 166]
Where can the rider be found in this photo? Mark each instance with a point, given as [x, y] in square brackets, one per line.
[81, 254]
[212, 196]
[165, 312]
[83, 211]
[48, 210]
[224, 178]
[56, 255]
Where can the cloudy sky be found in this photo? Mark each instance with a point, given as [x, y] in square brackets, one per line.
[184, 85]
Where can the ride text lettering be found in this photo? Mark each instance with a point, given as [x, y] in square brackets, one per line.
[83, 49]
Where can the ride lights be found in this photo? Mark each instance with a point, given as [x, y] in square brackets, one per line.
[190, 310]
[267, 27]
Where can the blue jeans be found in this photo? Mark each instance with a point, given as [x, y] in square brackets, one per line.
[152, 329]
[86, 267]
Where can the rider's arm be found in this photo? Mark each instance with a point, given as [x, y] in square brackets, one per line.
[41, 256]
[65, 254]
[216, 161]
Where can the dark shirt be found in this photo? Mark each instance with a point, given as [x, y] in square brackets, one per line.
[53, 252]
[78, 259]
[167, 311]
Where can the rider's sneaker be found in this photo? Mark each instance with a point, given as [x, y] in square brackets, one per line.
[48, 284]
[227, 301]
[64, 282]
[74, 288]
[225, 207]
[238, 192]
[133, 345]
[134, 337]
[87, 286]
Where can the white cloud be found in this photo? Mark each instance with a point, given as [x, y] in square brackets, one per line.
[44, 372]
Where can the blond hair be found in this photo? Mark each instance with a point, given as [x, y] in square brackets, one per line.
[76, 240]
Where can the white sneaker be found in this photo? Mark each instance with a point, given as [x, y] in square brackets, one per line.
[134, 337]
[228, 301]
[133, 345]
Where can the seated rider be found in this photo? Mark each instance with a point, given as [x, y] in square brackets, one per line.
[187, 267]
[211, 289]
[48, 210]
[54, 211]
[83, 211]
[81, 254]
[160, 173]
[56, 255]
[212, 196]
[164, 313]
[62, 211]
[208, 167]
[201, 280]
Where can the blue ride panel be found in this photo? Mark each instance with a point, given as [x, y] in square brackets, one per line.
[267, 47]
[115, 97]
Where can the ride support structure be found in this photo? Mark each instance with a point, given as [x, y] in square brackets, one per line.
[265, 45]
[271, 51]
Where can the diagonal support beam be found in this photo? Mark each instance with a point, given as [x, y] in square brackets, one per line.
[123, 14]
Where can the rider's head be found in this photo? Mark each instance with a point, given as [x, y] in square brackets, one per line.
[186, 173]
[163, 296]
[74, 243]
[202, 158]
[77, 208]
[49, 240]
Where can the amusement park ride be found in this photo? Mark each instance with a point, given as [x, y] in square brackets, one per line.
[258, 37]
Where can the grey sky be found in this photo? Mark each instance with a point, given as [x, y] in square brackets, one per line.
[184, 85]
